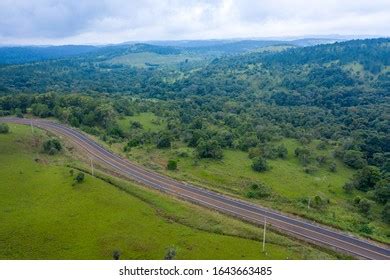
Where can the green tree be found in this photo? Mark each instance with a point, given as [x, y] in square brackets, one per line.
[259, 164]
[172, 164]
[354, 159]
[163, 141]
[282, 151]
[52, 146]
[209, 149]
[80, 177]
[366, 178]
[364, 206]
[4, 128]
[386, 213]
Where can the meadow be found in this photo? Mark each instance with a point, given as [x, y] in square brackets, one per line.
[44, 215]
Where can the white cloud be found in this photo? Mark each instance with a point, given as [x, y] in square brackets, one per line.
[113, 21]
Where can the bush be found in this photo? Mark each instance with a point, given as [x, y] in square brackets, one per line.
[258, 191]
[348, 187]
[364, 206]
[170, 254]
[164, 141]
[260, 164]
[332, 167]
[354, 159]
[116, 255]
[172, 164]
[319, 202]
[386, 213]
[80, 177]
[209, 149]
[310, 169]
[282, 151]
[52, 146]
[4, 128]
[136, 125]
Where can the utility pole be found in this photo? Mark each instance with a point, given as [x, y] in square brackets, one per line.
[308, 203]
[264, 230]
[91, 166]
[32, 127]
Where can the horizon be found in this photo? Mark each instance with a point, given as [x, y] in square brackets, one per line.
[330, 37]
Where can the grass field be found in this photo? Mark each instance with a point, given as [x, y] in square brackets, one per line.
[44, 216]
[148, 120]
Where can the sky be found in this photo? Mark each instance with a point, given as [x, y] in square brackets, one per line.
[59, 22]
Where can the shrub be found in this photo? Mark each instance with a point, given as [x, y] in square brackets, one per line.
[4, 128]
[282, 151]
[52, 146]
[116, 255]
[260, 164]
[310, 169]
[386, 213]
[258, 191]
[209, 149]
[332, 167]
[319, 202]
[364, 206]
[354, 159]
[348, 187]
[135, 125]
[170, 254]
[172, 164]
[80, 177]
[163, 141]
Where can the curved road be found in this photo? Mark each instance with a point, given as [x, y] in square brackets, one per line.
[295, 226]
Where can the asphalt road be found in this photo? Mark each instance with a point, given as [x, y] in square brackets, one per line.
[295, 226]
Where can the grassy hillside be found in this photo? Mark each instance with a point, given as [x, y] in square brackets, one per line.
[44, 216]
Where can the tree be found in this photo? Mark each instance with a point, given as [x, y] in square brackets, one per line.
[259, 164]
[209, 149]
[258, 191]
[80, 177]
[172, 164]
[332, 167]
[354, 159]
[40, 110]
[136, 125]
[282, 151]
[366, 178]
[170, 254]
[386, 213]
[116, 255]
[4, 128]
[52, 146]
[348, 187]
[163, 141]
[303, 155]
[364, 206]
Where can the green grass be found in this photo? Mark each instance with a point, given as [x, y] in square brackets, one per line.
[291, 186]
[44, 216]
[148, 120]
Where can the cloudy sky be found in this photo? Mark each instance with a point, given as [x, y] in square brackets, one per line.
[114, 21]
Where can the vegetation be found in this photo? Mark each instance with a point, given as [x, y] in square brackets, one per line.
[310, 123]
[4, 128]
[116, 220]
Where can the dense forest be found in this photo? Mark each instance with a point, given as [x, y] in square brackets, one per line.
[336, 93]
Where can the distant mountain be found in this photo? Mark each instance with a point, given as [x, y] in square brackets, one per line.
[17, 55]
[27, 54]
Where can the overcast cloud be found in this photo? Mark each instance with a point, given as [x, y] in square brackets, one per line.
[115, 21]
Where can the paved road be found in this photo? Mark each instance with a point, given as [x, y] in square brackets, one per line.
[292, 225]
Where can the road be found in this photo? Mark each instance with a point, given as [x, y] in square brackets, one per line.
[300, 228]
